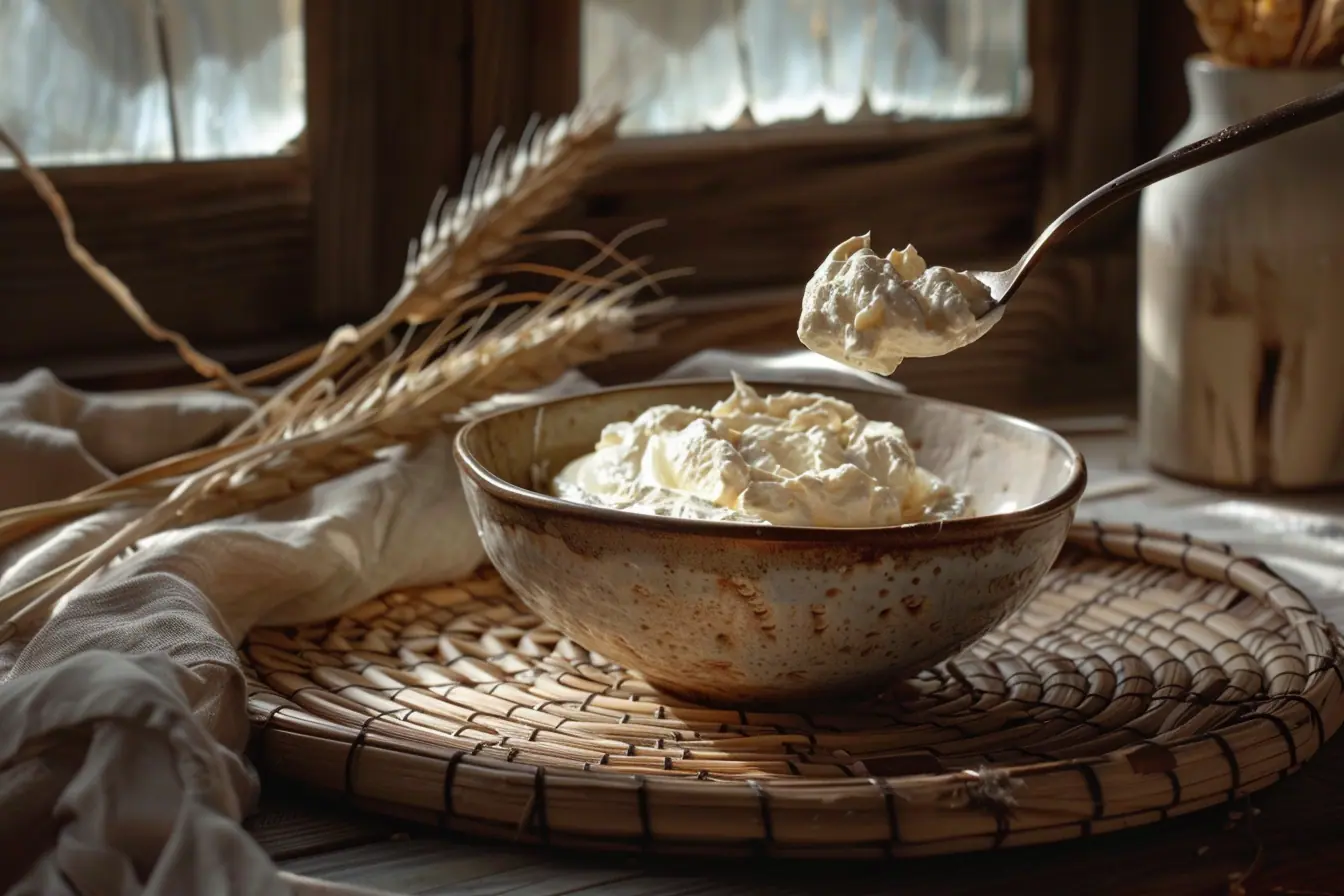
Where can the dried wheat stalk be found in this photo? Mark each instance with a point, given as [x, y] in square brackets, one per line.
[377, 412]
[505, 193]
[344, 410]
[152, 482]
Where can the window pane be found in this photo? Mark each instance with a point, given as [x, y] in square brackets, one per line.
[86, 81]
[237, 75]
[81, 82]
[713, 64]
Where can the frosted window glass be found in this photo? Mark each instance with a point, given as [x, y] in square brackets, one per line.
[85, 82]
[695, 65]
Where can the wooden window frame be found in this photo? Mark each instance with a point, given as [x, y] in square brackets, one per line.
[259, 254]
[251, 257]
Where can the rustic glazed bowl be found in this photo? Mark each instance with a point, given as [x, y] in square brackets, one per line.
[733, 614]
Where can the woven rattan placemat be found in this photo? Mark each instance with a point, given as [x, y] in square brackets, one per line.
[1153, 674]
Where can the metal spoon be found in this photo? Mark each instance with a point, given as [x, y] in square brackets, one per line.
[1288, 117]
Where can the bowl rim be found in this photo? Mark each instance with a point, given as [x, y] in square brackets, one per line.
[924, 530]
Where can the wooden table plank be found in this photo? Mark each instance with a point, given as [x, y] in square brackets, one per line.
[310, 886]
[1298, 831]
[414, 865]
[548, 880]
[290, 825]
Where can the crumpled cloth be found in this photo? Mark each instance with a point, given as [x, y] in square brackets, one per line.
[123, 718]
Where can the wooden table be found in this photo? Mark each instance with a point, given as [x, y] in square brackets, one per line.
[1286, 840]
[1296, 829]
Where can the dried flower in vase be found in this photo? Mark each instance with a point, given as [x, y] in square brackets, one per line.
[1272, 33]
[1249, 32]
[1323, 41]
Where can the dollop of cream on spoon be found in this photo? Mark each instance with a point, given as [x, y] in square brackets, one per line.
[872, 312]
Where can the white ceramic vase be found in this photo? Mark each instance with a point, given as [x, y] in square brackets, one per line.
[1241, 294]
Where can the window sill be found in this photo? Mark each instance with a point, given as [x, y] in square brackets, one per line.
[886, 132]
[164, 175]
[154, 367]
[216, 248]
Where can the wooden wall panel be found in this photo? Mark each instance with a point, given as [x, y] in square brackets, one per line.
[342, 115]
[388, 126]
[751, 210]
[1167, 36]
[524, 60]
[215, 250]
[1085, 63]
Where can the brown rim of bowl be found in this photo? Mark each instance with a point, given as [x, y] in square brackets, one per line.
[939, 531]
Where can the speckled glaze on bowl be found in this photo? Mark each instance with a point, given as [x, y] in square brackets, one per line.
[740, 615]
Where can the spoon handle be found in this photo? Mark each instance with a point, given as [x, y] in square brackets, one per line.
[1288, 117]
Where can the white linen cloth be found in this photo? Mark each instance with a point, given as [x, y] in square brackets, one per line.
[122, 719]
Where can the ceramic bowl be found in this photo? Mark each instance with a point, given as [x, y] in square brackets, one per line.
[732, 614]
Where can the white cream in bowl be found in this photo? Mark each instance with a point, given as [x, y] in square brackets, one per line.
[792, 459]
[770, 616]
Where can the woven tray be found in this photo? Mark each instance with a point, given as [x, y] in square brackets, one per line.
[1152, 675]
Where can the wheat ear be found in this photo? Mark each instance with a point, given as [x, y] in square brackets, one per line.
[505, 192]
[534, 349]
[333, 418]
[150, 483]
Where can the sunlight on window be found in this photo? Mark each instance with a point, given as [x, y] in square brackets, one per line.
[86, 82]
[716, 64]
